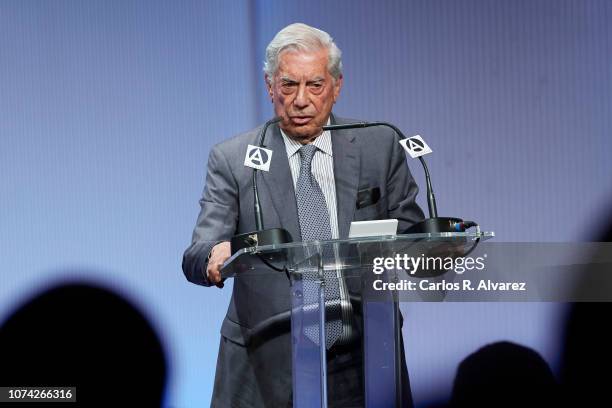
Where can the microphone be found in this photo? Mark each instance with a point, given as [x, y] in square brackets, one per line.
[433, 223]
[260, 236]
[257, 203]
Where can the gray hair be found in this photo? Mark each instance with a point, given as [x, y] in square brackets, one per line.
[302, 37]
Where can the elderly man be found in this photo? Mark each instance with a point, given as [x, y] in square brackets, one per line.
[314, 177]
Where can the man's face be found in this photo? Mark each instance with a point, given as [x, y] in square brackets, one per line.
[303, 93]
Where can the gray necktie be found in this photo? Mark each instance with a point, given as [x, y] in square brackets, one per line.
[314, 225]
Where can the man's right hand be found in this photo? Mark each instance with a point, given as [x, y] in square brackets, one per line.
[218, 255]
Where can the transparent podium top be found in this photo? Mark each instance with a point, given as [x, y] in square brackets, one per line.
[331, 289]
[348, 255]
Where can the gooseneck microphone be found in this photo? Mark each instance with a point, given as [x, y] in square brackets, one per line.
[260, 236]
[256, 203]
[433, 223]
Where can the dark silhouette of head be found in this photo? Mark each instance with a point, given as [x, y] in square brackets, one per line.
[587, 356]
[86, 337]
[504, 374]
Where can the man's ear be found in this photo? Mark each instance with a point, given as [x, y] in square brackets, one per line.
[268, 85]
[337, 87]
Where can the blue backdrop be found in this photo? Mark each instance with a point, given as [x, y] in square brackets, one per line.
[108, 110]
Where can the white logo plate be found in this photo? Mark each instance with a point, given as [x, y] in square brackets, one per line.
[415, 146]
[258, 158]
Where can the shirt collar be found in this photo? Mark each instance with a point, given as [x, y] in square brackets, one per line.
[323, 143]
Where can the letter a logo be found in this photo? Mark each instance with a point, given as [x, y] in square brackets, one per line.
[415, 146]
[258, 158]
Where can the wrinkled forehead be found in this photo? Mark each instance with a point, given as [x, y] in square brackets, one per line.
[301, 63]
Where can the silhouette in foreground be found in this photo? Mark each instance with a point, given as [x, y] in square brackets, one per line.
[86, 337]
[504, 374]
[588, 343]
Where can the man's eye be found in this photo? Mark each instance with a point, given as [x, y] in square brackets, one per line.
[315, 88]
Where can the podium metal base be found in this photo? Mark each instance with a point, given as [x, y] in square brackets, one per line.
[274, 236]
[439, 224]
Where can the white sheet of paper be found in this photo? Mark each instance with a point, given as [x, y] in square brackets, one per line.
[375, 228]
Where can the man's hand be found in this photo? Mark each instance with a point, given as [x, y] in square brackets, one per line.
[218, 255]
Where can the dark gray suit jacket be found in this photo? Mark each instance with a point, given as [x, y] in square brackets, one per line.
[253, 373]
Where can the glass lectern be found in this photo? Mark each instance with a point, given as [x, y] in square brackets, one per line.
[362, 267]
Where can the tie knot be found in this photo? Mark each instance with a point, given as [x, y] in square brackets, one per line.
[307, 153]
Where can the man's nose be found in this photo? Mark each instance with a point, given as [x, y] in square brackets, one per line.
[301, 99]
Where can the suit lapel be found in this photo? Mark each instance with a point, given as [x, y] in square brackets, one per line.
[280, 184]
[346, 173]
